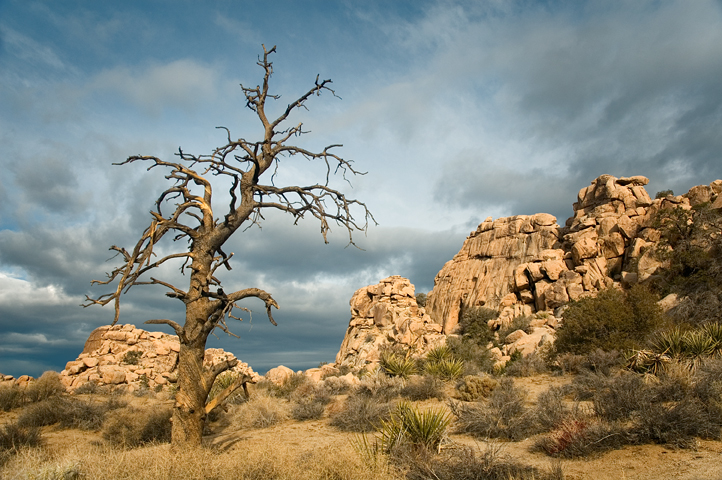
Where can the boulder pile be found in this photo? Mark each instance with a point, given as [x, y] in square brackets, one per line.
[383, 315]
[525, 264]
[125, 355]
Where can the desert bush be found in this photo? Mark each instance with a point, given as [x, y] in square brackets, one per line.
[309, 401]
[361, 413]
[467, 463]
[476, 357]
[336, 385]
[13, 437]
[286, 389]
[10, 397]
[528, 366]
[421, 299]
[612, 320]
[691, 255]
[445, 368]
[579, 438]
[379, 386]
[48, 385]
[423, 388]
[550, 411]
[473, 388]
[437, 354]
[502, 415]
[522, 322]
[68, 412]
[474, 324]
[571, 363]
[132, 427]
[132, 357]
[397, 365]
[262, 410]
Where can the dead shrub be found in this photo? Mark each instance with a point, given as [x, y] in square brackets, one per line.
[424, 387]
[336, 385]
[361, 413]
[10, 397]
[528, 366]
[502, 415]
[68, 412]
[309, 401]
[48, 385]
[261, 411]
[381, 387]
[580, 437]
[550, 411]
[466, 463]
[13, 437]
[133, 427]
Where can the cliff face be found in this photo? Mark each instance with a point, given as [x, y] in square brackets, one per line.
[523, 264]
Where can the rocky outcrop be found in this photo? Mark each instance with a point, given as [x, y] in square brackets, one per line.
[492, 265]
[125, 355]
[524, 264]
[386, 314]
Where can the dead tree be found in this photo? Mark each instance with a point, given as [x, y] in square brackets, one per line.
[184, 212]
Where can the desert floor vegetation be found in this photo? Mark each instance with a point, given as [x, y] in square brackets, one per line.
[549, 425]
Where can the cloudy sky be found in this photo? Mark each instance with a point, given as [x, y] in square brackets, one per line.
[458, 110]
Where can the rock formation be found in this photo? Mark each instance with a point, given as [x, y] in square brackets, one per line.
[525, 264]
[125, 355]
[386, 314]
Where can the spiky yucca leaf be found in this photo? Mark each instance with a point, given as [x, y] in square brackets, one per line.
[418, 428]
[398, 366]
[697, 344]
[439, 353]
[670, 342]
[714, 332]
[448, 368]
[647, 361]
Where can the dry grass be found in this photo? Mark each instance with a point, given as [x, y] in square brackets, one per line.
[261, 411]
[160, 462]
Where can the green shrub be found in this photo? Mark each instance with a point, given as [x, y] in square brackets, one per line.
[522, 323]
[473, 388]
[474, 324]
[132, 357]
[421, 299]
[612, 320]
[476, 358]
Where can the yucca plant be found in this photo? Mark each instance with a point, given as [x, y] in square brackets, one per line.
[447, 369]
[647, 361]
[398, 366]
[436, 354]
[408, 424]
[670, 342]
[697, 345]
[714, 332]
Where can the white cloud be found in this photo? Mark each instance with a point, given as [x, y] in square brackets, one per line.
[184, 83]
[19, 292]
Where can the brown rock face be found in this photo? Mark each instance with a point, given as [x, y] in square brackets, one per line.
[125, 355]
[493, 263]
[386, 314]
[523, 264]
